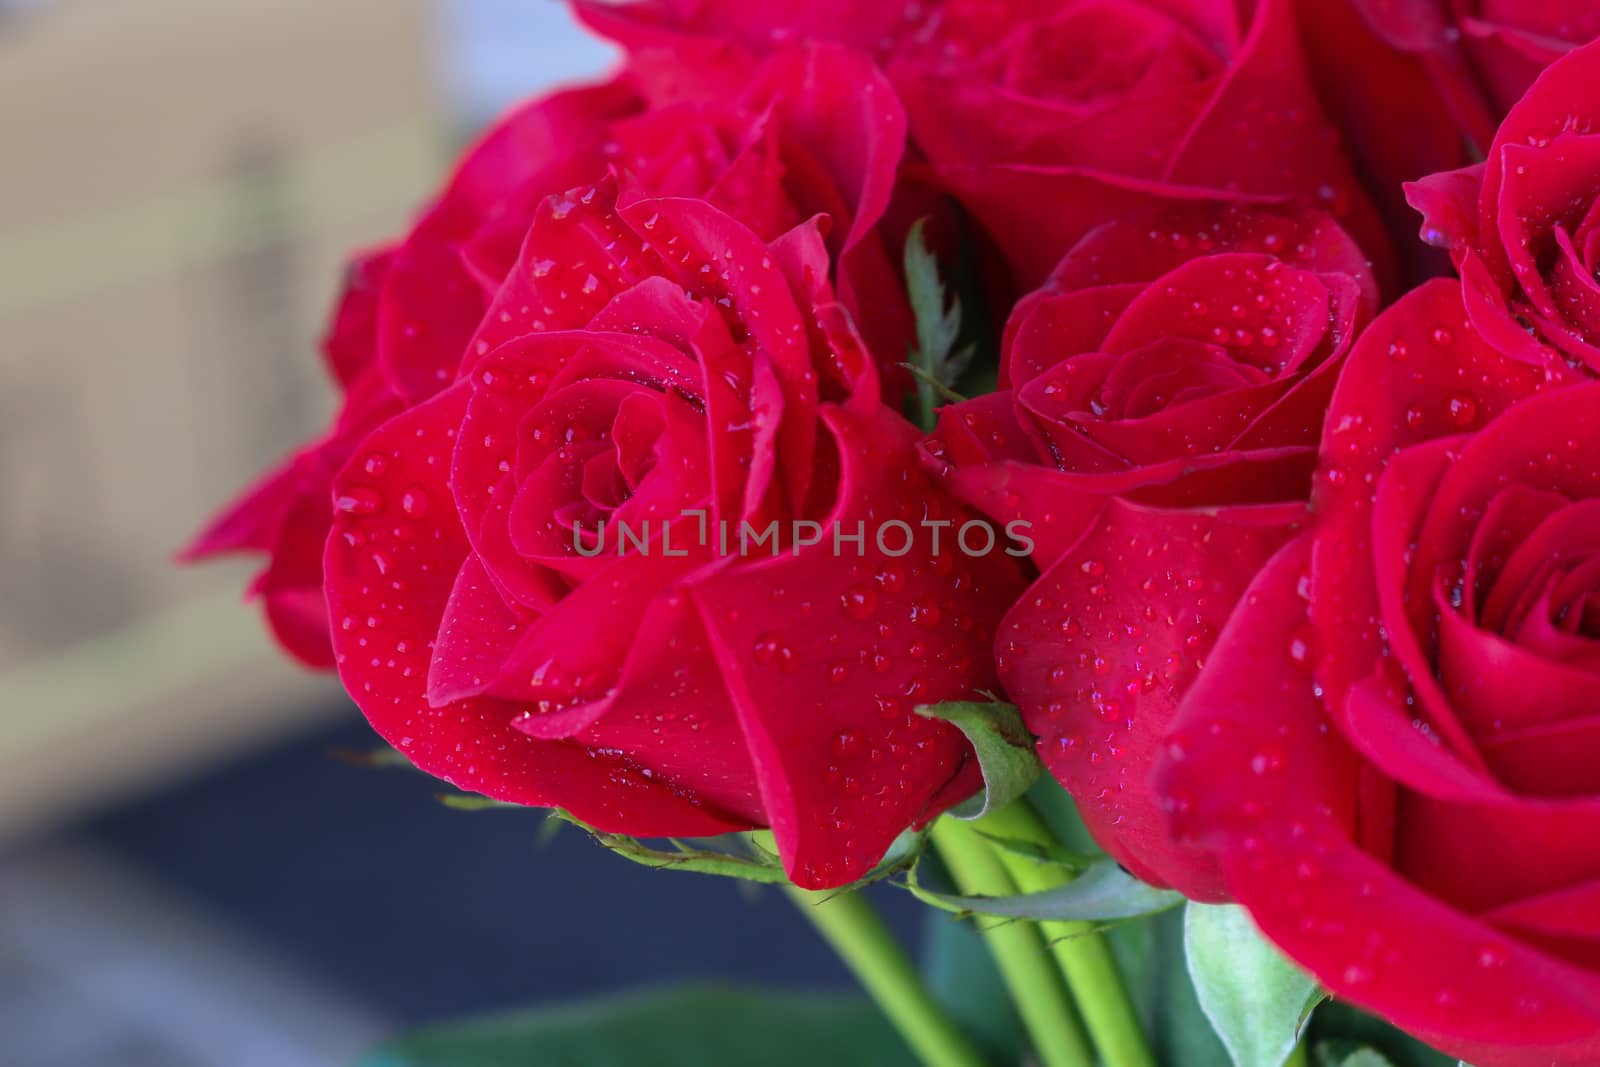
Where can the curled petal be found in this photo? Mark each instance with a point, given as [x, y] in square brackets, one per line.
[390, 572]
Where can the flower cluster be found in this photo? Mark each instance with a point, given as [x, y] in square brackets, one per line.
[1282, 532]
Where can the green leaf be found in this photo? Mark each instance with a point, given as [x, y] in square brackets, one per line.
[1255, 998]
[934, 361]
[1339, 1028]
[1149, 954]
[937, 326]
[1102, 893]
[1004, 747]
[681, 1027]
[1361, 1057]
[762, 867]
[751, 857]
[473, 802]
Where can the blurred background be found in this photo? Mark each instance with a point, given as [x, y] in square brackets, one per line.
[189, 873]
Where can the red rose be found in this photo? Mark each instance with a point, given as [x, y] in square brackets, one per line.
[1471, 58]
[659, 366]
[1165, 395]
[1046, 118]
[1400, 777]
[810, 130]
[1056, 117]
[755, 28]
[1415, 84]
[1524, 226]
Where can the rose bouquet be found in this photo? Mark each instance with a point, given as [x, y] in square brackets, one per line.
[1058, 459]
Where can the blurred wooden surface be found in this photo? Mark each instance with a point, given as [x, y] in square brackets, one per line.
[182, 179]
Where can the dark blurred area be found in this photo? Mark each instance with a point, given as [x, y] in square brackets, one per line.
[189, 875]
[291, 906]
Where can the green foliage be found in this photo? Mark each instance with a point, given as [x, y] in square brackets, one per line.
[688, 1026]
[473, 802]
[1149, 954]
[1340, 1029]
[1361, 1057]
[1256, 999]
[1004, 748]
[935, 361]
[757, 865]
[1102, 893]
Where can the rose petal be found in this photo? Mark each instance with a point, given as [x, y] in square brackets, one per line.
[1561, 536]
[476, 631]
[1478, 856]
[1255, 773]
[1143, 246]
[1448, 203]
[350, 343]
[1554, 759]
[383, 660]
[826, 653]
[1565, 922]
[1543, 189]
[669, 701]
[1400, 510]
[1389, 396]
[1494, 685]
[1263, 132]
[1100, 650]
[431, 302]
[1036, 213]
[1048, 327]
[835, 102]
[1394, 120]
[1247, 743]
[1513, 513]
[741, 271]
[1563, 98]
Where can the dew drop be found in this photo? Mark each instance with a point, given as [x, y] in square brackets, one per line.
[360, 501]
[859, 601]
[845, 743]
[414, 502]
[1462, 409]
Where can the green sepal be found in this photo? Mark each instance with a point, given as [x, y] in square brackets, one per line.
[1257, 1000]
[1004, 748]
[474, 802]
[1361, 1057]
[1104, 892]
[750, 857]
[687, 1026]
[758, 866]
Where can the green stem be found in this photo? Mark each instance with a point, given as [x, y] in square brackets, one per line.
[1018, 950]
[1080, 951]
[848, 923]
[1298, 1057]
